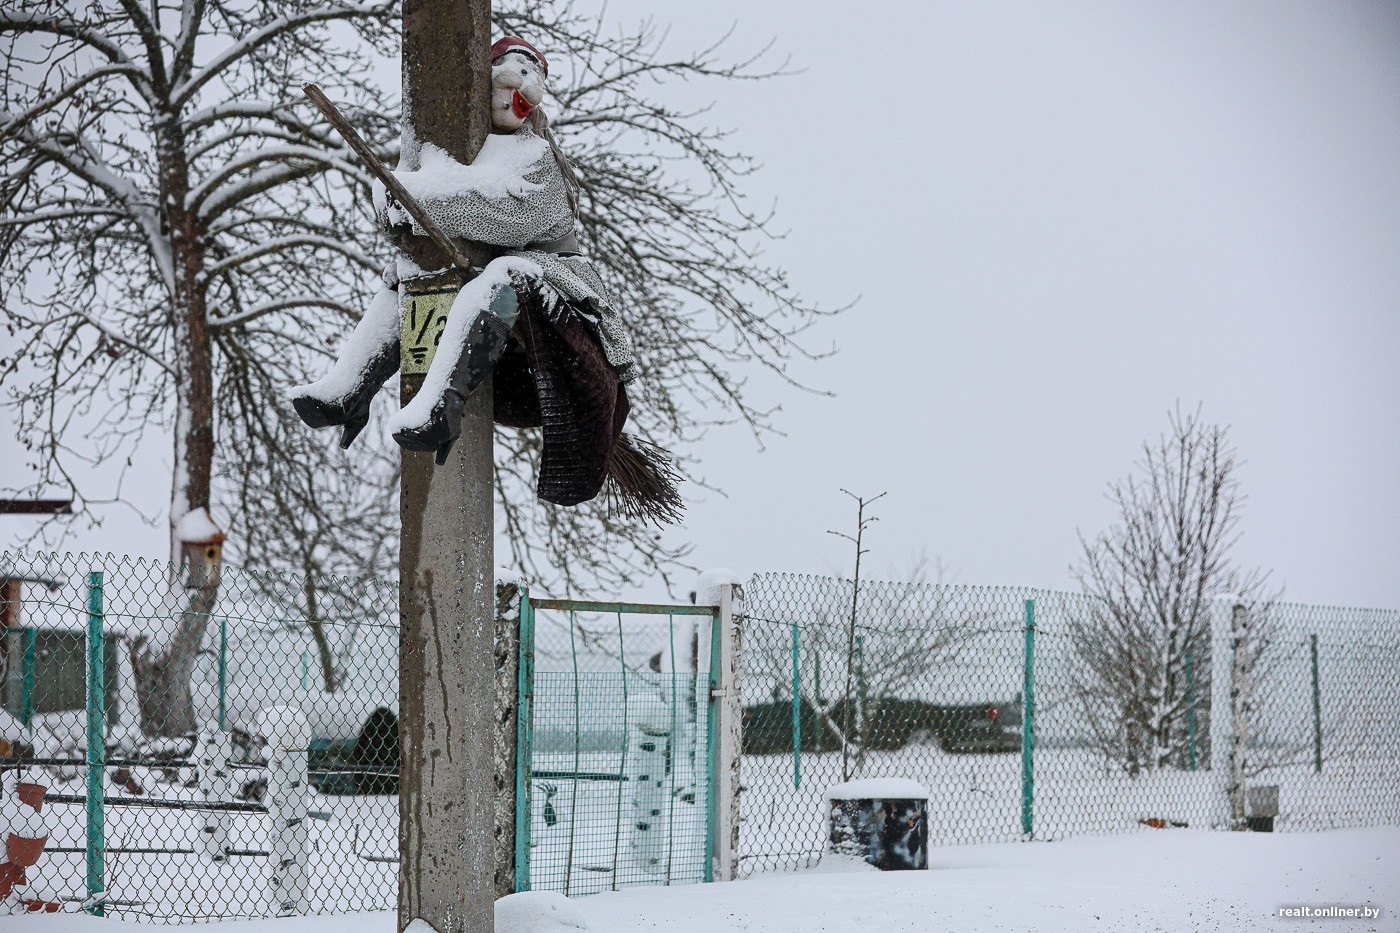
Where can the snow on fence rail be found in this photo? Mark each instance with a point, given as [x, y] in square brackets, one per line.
[1004, 703]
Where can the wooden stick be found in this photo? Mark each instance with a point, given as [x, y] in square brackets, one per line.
[396, 188]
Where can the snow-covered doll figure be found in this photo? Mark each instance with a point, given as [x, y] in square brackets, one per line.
[538, 317]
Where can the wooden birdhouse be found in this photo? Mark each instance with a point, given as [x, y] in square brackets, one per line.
[201, 547]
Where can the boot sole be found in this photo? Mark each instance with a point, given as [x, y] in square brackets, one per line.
[419, 442]
[315, 413]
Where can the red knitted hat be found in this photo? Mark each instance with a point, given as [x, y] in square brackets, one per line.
[512, 44]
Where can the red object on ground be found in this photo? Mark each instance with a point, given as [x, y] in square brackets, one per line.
[123, 778]
[10, 875]
[24, 851]
[36, 906]
[31, 794]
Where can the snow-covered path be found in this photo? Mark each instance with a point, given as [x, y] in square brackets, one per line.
[1167, 880]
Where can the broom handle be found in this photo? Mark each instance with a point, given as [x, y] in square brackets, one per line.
[396, 188]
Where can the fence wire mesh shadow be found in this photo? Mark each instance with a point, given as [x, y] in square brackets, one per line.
[1035, 714]
[239, 755]
[620, 751]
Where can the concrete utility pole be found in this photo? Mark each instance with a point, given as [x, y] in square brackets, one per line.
[447, 594]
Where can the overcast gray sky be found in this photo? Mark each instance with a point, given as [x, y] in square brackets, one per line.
[1060, 219]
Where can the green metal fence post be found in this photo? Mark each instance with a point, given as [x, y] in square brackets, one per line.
[1190, 714]
[1317, 709]
[96, 747]
[796, 714]
[1028, 728]
[26, 702]
[524, 739]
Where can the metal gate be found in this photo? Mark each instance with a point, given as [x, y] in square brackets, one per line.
[616, 745]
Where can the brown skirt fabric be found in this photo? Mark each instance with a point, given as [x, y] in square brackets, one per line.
[553, 375]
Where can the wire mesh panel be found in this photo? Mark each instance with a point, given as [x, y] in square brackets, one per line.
[200, 742]
[210, 743]
[893, 681]
[1038, 714]
[619, 756]
[1326, 697]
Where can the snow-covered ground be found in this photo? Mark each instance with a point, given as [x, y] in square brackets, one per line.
[974, 800]
[1165, 880]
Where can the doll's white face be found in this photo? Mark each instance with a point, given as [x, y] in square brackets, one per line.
[517, 87]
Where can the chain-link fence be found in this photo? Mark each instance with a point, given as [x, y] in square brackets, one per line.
[219, 745]
[1037, 714]
[239, 754]
[204, 746]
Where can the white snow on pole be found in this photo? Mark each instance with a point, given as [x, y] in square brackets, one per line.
[877, 789]
[650, 736]
[708, 587]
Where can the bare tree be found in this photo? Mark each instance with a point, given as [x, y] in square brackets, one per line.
[905, 633]
[858, 721]
[185, 238]
[178, 233]
[1143, 639]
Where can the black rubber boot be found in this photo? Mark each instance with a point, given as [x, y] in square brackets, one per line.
[352, 411]
[486, 341]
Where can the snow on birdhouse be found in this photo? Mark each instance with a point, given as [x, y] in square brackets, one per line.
[201, 545]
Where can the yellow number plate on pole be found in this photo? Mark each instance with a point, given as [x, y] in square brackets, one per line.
[423, 317]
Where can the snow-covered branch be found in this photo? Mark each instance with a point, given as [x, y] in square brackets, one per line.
[282, 304]
[13, 123]
[209, 203]
[117, 338]
[81, 32]
[208, 189]
[151, 40]
[81, 158]
[191, 18]
[281, 244]
[45, 217]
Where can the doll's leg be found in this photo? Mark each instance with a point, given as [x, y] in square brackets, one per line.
[371, 355]
[477, 331]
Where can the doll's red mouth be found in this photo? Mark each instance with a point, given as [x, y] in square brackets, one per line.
[520, 105]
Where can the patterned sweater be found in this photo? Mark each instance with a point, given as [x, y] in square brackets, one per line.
[513, 196]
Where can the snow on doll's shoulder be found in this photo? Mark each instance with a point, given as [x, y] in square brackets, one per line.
[878, 789]
[498, 170]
